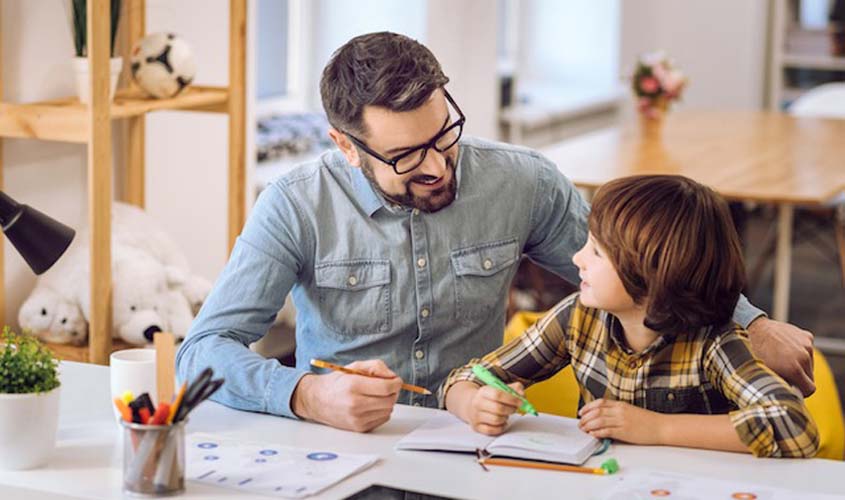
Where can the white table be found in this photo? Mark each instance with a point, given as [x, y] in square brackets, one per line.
[87, 461]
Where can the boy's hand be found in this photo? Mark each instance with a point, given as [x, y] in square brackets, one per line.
[486, 409]
[603, 418]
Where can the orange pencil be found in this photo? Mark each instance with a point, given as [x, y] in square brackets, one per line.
[607, 467]
[177, 402]
[331, 366]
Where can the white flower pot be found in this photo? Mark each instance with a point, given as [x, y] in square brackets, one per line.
[83, 77]
[28, 425]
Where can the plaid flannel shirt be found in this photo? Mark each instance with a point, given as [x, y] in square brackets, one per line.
[711, 371]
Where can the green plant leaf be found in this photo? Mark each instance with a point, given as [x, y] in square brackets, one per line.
[80, 25]
[26, 365]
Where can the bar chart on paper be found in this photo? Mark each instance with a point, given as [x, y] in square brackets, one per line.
[268, 468]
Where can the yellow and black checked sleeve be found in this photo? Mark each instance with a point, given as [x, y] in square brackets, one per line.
[771, 419]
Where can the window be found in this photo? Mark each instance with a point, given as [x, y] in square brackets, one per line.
[279, 47]
[558, 60]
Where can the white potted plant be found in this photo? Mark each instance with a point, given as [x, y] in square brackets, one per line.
[79, 25]
[29, 401]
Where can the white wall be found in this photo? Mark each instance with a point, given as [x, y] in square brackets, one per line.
[719, 44]
[571, 43]
[187, 153]
[462, 35]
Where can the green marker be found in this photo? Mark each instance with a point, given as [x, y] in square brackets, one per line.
[488, 378]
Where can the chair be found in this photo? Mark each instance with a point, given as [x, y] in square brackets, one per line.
[559, 394]
[827, 101]
[824, 101]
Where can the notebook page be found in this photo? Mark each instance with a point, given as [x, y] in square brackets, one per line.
[444, 432]
[546, 437]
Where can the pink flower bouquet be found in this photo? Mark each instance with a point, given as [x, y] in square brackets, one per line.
[656, 84]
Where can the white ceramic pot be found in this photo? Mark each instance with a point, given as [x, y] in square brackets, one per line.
[83, 77]
[28, 425]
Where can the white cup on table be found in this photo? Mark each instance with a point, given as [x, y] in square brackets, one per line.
[133, 370]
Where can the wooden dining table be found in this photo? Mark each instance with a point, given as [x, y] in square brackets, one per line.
[759, 156]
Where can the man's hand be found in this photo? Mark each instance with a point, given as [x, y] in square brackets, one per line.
[486, 409]
[786, 349]
[604, 418]
[351, 402]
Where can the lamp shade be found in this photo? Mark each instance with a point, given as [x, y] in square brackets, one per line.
[39, 239]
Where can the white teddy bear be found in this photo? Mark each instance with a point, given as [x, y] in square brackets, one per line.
[53, 317]
[146, 297]
[152, 288]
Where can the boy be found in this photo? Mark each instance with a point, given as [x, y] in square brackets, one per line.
[650, 337]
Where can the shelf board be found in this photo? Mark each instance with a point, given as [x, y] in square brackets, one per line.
[809, 61]
[67, 352]
[66, 119]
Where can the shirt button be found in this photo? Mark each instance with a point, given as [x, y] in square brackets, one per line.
[421, 263]
[419, 354]
[425, 312]
[670, 396]
[353, 280]
[632, 364]
[487, 264]
[416, 211]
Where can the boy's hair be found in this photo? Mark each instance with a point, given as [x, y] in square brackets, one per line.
[673, 242]
[377, 69]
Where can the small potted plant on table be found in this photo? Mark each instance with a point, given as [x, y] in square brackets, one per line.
[29, 401]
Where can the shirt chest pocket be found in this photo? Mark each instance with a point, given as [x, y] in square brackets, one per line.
[482, 278]
[354, 296]
[701, 400]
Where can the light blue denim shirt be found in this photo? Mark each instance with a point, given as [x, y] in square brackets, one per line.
[424, 292]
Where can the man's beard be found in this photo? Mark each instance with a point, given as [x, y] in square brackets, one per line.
[436, 200]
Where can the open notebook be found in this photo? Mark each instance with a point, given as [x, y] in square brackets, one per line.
[547, 437]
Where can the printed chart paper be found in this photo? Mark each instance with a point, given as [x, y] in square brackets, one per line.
[268, 468]
[646, 485]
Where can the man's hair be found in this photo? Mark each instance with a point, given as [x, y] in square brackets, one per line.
[377, 69]
[672, 242]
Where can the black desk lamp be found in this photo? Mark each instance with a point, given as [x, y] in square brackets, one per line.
[39, 239]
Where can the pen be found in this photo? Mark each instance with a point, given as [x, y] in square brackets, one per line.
[488, 378]
[331, 366]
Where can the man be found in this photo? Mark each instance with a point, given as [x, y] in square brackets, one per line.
[398, 250]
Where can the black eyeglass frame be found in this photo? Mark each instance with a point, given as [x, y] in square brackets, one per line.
[432, 144]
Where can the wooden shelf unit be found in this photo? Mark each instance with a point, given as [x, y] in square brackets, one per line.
[794, 47]
[68, 120]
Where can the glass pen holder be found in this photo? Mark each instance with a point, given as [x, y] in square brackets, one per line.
[153, 459]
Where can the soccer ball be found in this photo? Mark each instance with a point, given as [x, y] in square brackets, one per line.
[162, 64]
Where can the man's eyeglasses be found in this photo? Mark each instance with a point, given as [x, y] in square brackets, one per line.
[413, 158]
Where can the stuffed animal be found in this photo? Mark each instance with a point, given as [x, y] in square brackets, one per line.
[152, 287]
[53, 317]
[145, 297]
